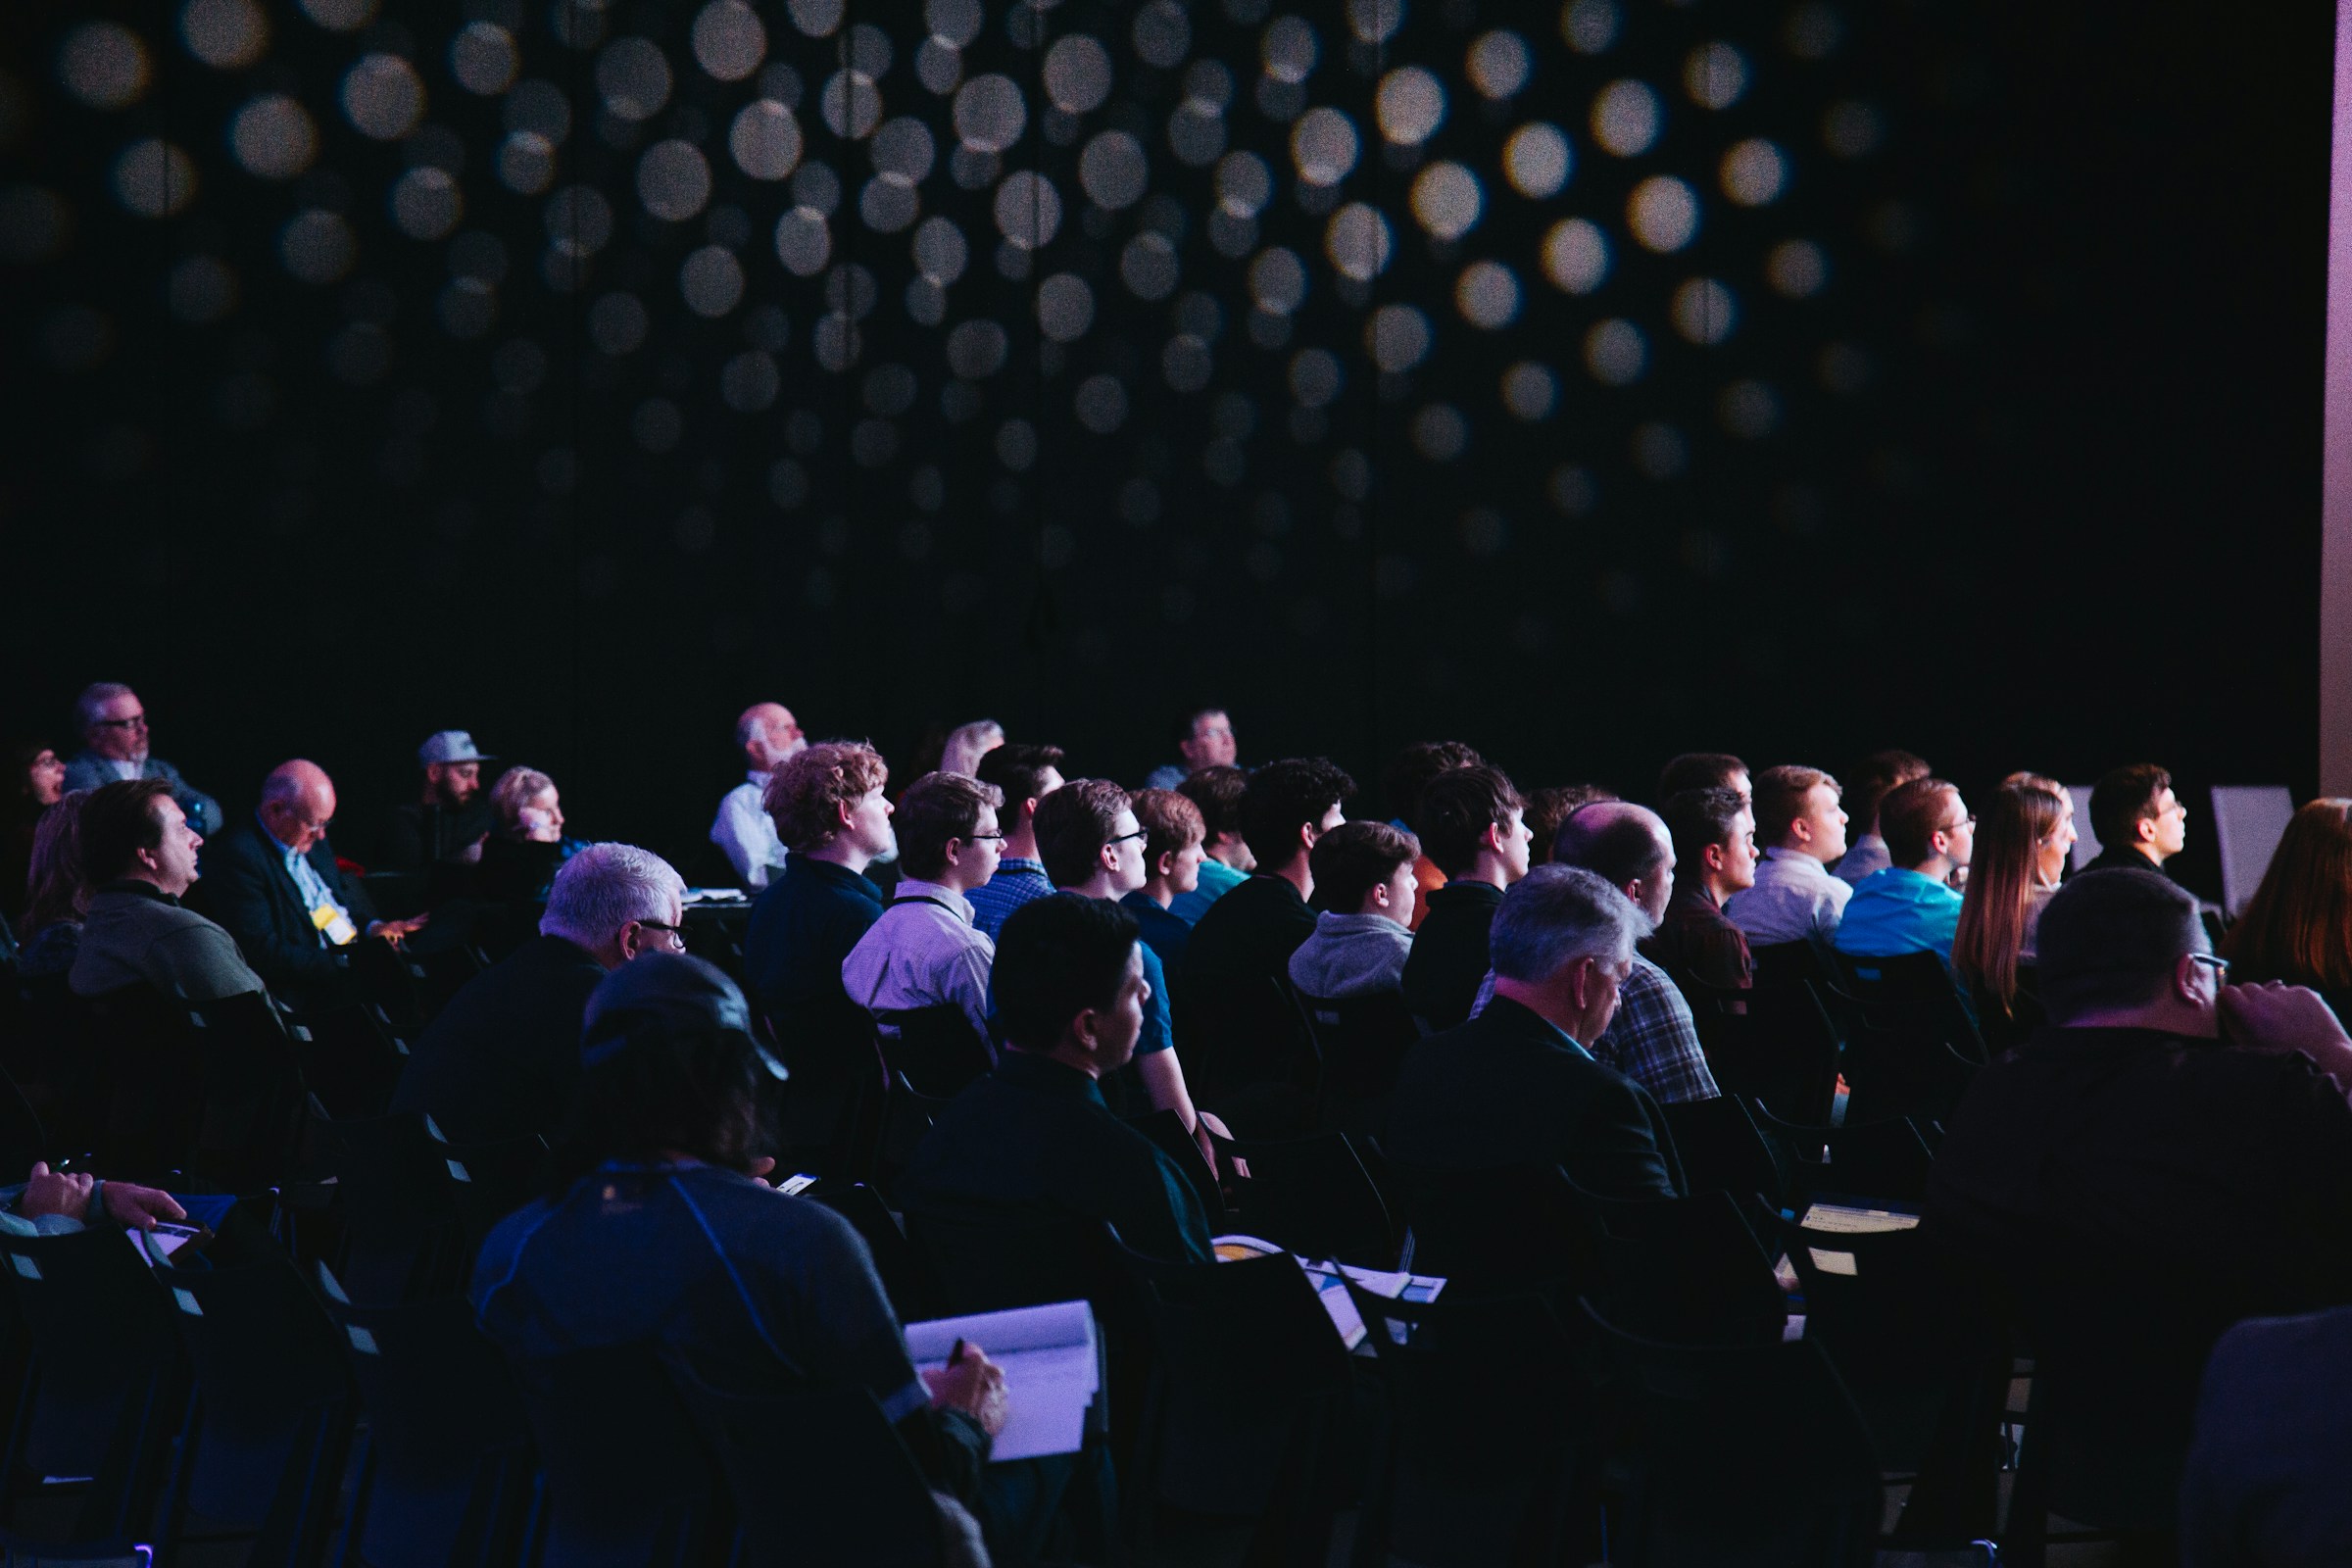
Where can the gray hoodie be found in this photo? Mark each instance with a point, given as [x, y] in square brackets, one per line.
[1350, 956]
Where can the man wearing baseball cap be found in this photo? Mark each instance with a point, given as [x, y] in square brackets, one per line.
[447, 824]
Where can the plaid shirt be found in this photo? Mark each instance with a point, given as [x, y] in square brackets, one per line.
[1017, 881]
[1653, 1040]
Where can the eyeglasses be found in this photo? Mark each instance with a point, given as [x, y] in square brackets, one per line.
[1139, 833]
[1970, 820]
[974, 837]
[675, 933]
[2213, 961]
[135, 722]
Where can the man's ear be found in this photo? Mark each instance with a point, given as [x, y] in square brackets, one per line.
[2143, 830]
[1164, 864]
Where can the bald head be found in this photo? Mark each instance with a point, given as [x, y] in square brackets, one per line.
[769, 734]
[298, 801]
[1625, 843]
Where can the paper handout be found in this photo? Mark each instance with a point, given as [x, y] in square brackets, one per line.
[1329, 1285]
[1052, 1370]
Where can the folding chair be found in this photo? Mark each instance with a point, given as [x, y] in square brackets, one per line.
[1781, 1048]
[906, 1279]
[1901, 1061]
[1166, 1131]
[1255, 1053]
[935, 1050]
[405, 1235]
[1721, 1151]
[1499, 1231]
[351, 1057]
[1885, 1161]
[1362, 1041]
[624, 1479]
[150, 1083]
[1312, 1195]
[1688, 1270]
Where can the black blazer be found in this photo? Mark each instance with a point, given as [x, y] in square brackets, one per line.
[246, 886]
[502, 1057]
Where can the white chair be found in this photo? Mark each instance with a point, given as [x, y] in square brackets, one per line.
[2248, 821]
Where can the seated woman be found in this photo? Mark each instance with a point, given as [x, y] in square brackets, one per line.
[2022, 836]
[60, 895]
[34, 781]
[2298, 928]
[657, 1229]
[519, 859]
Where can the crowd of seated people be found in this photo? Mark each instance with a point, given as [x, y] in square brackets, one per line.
[2133, 1098]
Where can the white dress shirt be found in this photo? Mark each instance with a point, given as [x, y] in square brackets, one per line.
[1795, 900]
[1865, 857]
[748, 834]
[924, 951]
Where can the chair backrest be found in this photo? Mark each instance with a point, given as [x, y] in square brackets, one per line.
[1166, 1131]
[2248, 821]
[253, 1092]
[1363, 1041]
[1787, 963]
[905, 1277]
[1721, 1148]
[1688, 1270]
[1906, 1063]
[936, 1050]
[1500, 1230]
[989, 1263]
[625, 1479]
[1878, 1161]
[1245, 1035]
[153, 1082]
[351, 1057]
[1314, 1195]
[404, 1232]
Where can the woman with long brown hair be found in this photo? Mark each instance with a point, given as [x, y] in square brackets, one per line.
[2298, 928]
[2022, 839]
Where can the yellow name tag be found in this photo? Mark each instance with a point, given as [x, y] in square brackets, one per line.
[334, 924]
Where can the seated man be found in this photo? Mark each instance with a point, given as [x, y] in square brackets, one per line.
[1032, 1140]
[2274, 1435]
[1410, 772]
[59, 1204]
[1225, 859]
[1027, 774]
[1703, 770]
[1800, 823]
[140, 855]
[114, 739]
[274, 886]
[1474, 827]
[1910, 907]
[1203, 739]
[768, 734]
[2140, 824]
[1173, 835]
[449, 825]
[924, 952]
[503, 1056]
[1880, 774]
[1365, 882]
[1248, 936]
[1516, 1084]
[1715, 848]
[832, 816]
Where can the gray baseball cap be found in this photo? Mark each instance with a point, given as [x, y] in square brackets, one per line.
[450, 746]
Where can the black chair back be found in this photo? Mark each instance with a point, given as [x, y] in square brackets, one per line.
[151, 1080]
[1873, 1164]
[1255, 1051]
[1362, 1041]
[1721, 1151]
[351, 1057]
[935, 1050]
[1901, 1061]
[1688, 1269]
[905, 1277]
[625, 1480]
[1780, 1045]
[1499, 1231]
[1314, 1195]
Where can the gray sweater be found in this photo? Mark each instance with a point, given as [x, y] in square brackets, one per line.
[1350, 956]
[136, 935]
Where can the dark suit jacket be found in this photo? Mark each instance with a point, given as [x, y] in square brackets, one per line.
[89, 771]
[246, 886]
[2265, 1487]
[1449, 961]
[503, 1056]
[1507, 1088]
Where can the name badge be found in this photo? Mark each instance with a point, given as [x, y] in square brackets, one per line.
[334, 925]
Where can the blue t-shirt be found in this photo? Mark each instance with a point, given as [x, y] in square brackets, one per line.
[1216, 880]
[1895, 911]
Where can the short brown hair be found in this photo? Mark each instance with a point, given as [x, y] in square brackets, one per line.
[1779, 798]
[936, 809]
[1169, 822]
[2112, 939]
[1413, 769]
[1547, 809]
[1456, 810]
[1876, 778]
[1697, 818]
[1217, 791]
[1909, 816]
[119, 820]
[1073, 823]
[1351, 859]
[805, 793]
[1698, 771]
[1018, 767]
[2125, 798]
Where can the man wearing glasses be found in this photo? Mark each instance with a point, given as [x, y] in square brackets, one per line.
[925, 952]
[114, 737]
[1910, 907]
[2140, 822]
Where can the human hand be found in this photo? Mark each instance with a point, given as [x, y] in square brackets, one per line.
[539, 826]
[973, 1384]
[2275, 1017]
[55, 1192]
[397, 931]
[138, 1208]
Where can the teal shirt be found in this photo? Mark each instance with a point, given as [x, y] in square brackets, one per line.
[1216, 880]
[1895, 911]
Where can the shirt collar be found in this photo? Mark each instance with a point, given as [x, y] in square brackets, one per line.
[283, 847]
[910, 888]
[140, 890]
[1032, 1070]
[1796, 859]
[1020, 865]
[1528, 1021]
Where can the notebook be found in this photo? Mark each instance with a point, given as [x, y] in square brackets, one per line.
[1052, 1365]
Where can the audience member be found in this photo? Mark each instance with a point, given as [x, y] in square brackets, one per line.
[657, 1228]
[1225, 859]
[60, 1203]
[1547, 809]
[273, 883]
[1411, 773]
[37, 779]
[447, 824]
[924, 952]
[1910, 907]
[1517, 1084]
[527, 841]
[2013, 871]
[140, 852]
[1802, 828]
[1173, 837]
[2298, 927]
[830, 811]
[1714, 833]
[1705, 771]
[1250, 933]
[1203, 739]
[502, 1058]
[966, 744]
[58, 893]
[2140, 824]
[114, 738]
[1474, 825]
[1365, 884]
[1034, 1139]
[766, 734]
[2265, 1481]
[1880, 774]
[1027, 774]
[1652, 1039]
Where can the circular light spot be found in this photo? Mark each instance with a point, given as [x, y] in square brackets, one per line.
[673, 181]
[1316, 377]
[427, 204]
[482, 58]
[1065, 306]
[766, 139]
[954, 23]
[869, 53]
[1077, 73]
[1028, 209]
[711, 281]
[889, 203]
[1113, 171]
[1244, 185]
[1624, 118]
[1754, 172]
[1286, 54]
[1615, 352]
[1589, 26]
[1536, 161]
[467, 307]
[749, 382]
[617, 324]
[1851, 129]
[1447, 199]
[226, 34]
[851, 104]
[1410, 105]
[1163, 35]
[1663, 212]
[1375, 20]
[1704, 311]
[990, 113]
[632, 76]
[1499, 64]
[1796, 267]
[1749, 410]
[1661, 453]
[940, 253]
[804, 242]
[539, 107]
[579, 221]
[526, 163]
[937, 67]
[976, 350]
[103, 64]
[1440, 433]
[904, 147]
[1356, 240]
[154, 178]
[1323, 146]
[272, 137]
[1530, 391]
[384, 97]
[1196, 132]
[1715, 75]
[1278, 281]
[728, 39]
[1486, 294]
[202, 290]
[1102, 404]
[818, 18]
[317, 246]
[1576, 256]
[1813, 32]
[1147, 267]
[1186, 362]
[340, 15]
[1397, 337]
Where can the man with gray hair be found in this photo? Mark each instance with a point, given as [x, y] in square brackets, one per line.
[114, 738]
[502, 1058]
[1517, 1086]
[767, 733]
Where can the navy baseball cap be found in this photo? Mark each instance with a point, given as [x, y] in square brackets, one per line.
[667, 991]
